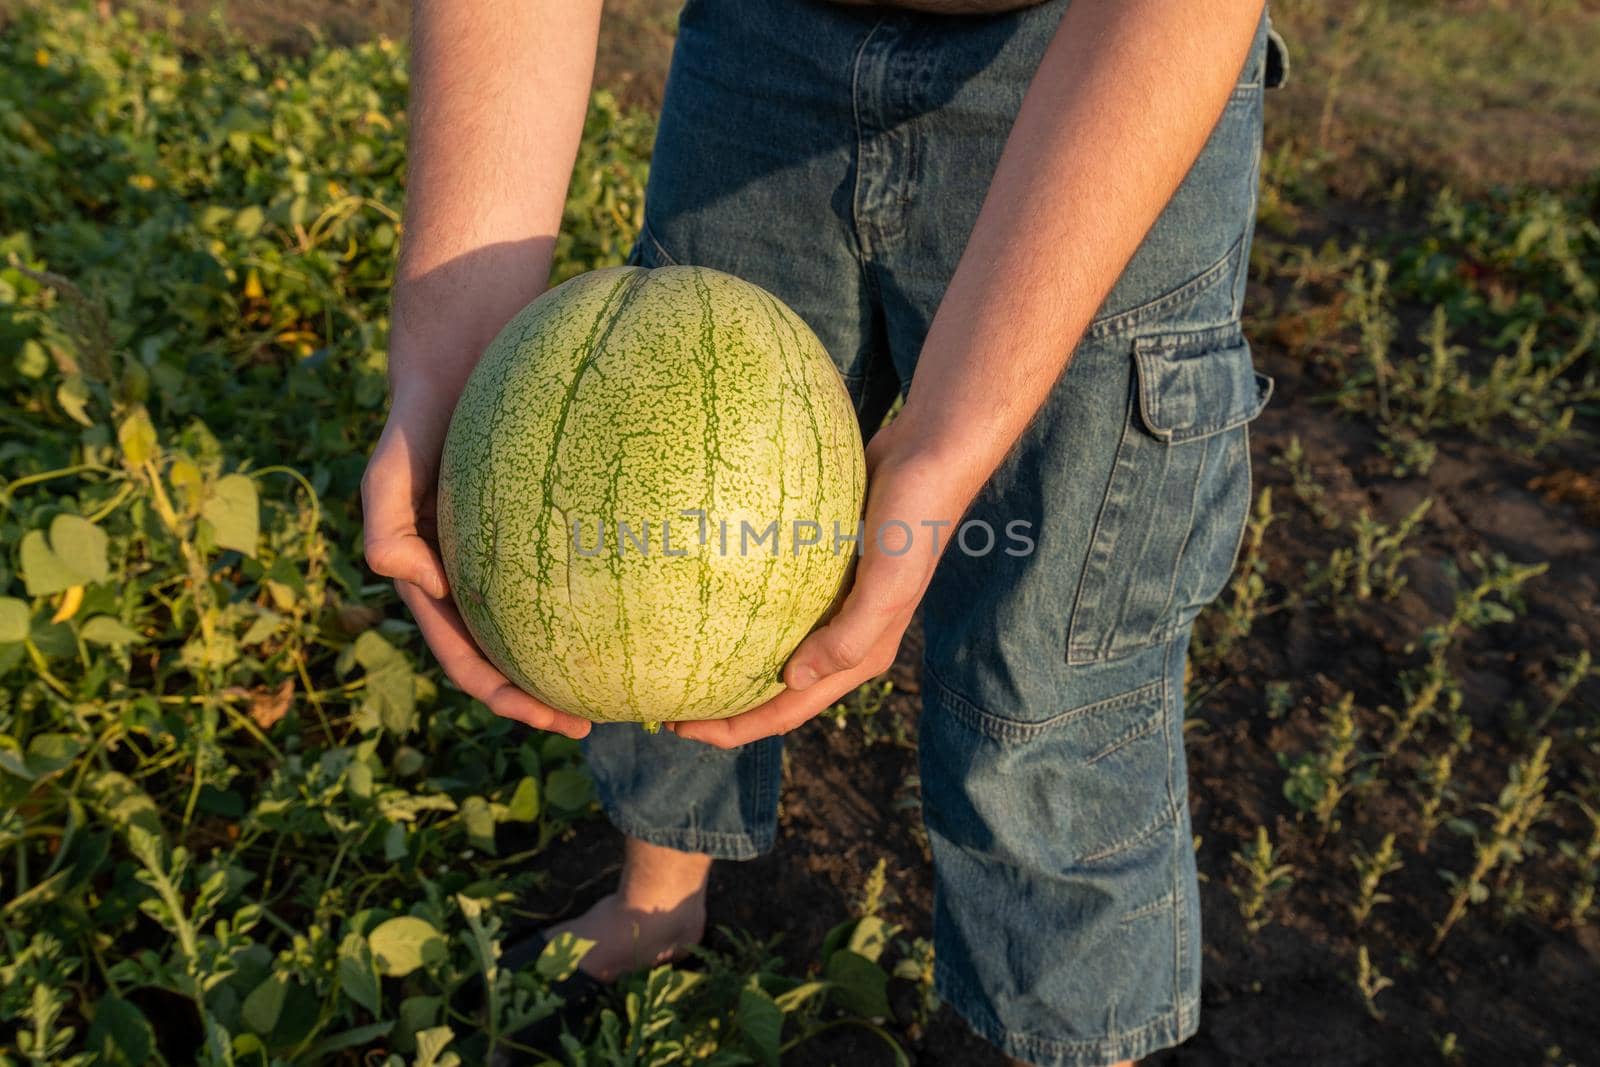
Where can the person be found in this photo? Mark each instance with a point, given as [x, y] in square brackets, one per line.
[1032, 222]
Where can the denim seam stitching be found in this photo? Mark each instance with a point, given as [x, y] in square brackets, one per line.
[1135, 839]
[1088, 651]
[1180, 928]
[738, 845]
[862, 251]
[1128, 737]
[1003, 729]
[1122, 1044]
[1122, 321]
[1188, 535]
[1155, 907]
[649, 234]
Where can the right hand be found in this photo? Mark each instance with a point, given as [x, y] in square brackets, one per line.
[397, 502]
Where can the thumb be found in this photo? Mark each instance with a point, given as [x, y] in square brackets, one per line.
[391, 489]
[848, 640]
[406, 557]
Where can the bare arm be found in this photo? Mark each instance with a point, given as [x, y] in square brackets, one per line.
[1103, 139]
[499, 89]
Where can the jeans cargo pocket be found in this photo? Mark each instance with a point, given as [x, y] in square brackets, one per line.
[1175, 506]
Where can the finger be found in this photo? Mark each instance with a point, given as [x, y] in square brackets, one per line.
[875, 603]
[787, 711]
[408, 558]
[452, 645]
[391, 493]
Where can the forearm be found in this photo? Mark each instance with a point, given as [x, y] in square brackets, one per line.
[499, 89]
[1103, 138]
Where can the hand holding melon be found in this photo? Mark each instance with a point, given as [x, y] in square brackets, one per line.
[649, 495]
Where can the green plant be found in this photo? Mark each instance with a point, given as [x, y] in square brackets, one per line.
[1371, 869]
[1423, 689]
[1505, 843]
[1585, 860]
[1371, 566]
[1435, 779]
[1319, 780]
[1238, 610]
[1265, 879]
[865, 706]
[1496, 598]
[1303, 480]
[1370, 982]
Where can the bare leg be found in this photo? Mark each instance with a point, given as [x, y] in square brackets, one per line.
[657, 911]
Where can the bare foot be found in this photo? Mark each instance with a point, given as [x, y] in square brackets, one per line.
[628, 938]
[657, 912]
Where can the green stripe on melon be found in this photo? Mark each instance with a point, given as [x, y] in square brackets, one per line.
[632, 395]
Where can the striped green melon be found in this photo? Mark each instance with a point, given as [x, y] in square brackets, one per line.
[650, 398]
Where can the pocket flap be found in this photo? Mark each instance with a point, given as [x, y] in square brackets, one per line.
[1196, 384]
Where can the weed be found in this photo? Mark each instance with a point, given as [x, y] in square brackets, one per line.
[1265, 879]
[1423, 689]
[1505, 843]
[1370, 982]
[1434, 778]
[1371, 869]
[1318, 781]
[1370, 567]
[1304, 482]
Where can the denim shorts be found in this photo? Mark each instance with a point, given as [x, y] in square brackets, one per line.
[838, 156]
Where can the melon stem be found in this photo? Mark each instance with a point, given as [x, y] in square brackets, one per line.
[652, 727]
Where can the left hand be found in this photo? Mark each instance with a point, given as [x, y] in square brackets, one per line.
[929, 496]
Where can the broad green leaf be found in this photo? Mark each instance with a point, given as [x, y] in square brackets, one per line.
[355, 1037]
[561, 956]
[105, 630]
[761, 1024]
[14, 620]
[416, 1015]
[267, 623]
[234, 512]
[32, 361]
[42, 571]
[358, 973]
[120, 1035]
[50, 752]
[265, 1004]
[478, 818]
[124, 802]
[137, 436]
[408, 761]
[524, 806]
[248, 221]
[569, 788]
[797, 997]
[404, 943]
[186, 479]
[73, 396]
[394, 843]
[432, 1042]
[74, 553]
[860, 986]
[869, 937]
[391, 694]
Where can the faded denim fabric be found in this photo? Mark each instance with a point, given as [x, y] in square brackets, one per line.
[838, 156]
